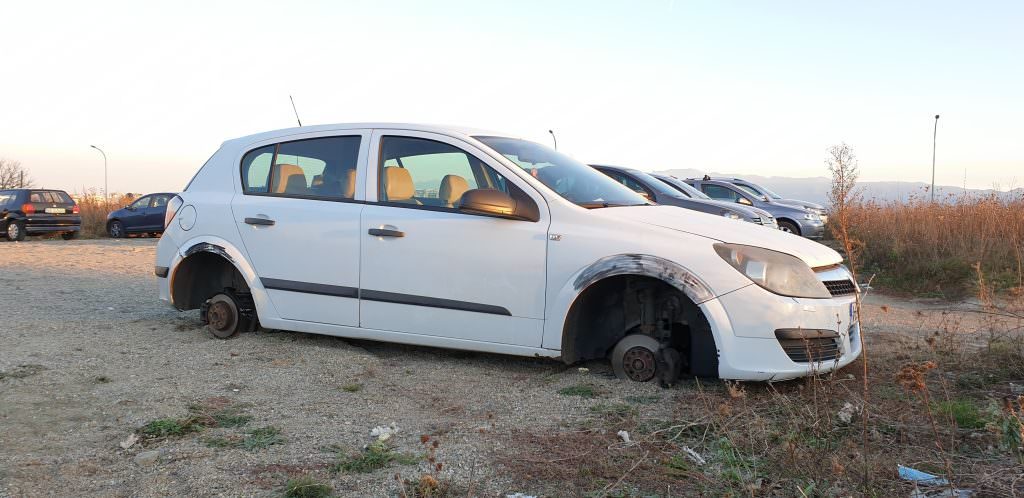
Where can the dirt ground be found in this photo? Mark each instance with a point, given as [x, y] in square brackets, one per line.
[89, 355]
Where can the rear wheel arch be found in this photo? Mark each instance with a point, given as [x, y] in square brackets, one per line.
[628, 294]
[205, 270]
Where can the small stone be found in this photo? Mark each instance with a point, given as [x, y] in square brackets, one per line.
[147, 458]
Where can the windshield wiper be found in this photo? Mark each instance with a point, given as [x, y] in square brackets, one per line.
[604, 204]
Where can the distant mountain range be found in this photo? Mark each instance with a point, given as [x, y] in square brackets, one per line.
[816, 189]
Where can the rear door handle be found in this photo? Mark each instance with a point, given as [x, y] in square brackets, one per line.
[259, 221]
[385, 232]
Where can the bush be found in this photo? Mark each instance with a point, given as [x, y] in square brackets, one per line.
[926, 248]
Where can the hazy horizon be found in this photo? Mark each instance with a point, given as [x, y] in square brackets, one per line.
[755, 89]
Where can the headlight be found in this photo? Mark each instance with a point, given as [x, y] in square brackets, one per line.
[811, 216]
[775, 271]
[731, 215]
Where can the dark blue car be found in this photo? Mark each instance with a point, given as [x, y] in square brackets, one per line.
[144, 215]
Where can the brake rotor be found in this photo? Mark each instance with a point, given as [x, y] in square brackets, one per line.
[639, 364]
[635, 357]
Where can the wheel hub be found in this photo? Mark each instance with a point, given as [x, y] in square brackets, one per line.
[12, 231]
[639, 364]
[220, 315]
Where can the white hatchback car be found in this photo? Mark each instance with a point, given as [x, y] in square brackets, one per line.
[474, 240]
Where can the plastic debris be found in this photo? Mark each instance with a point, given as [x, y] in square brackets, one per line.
[846, 413]
[129, 442]
[583, 370]
[383, 433]
[697, 459]
[918, 477]
[624, 435]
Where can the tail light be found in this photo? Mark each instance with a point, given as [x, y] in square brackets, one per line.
[28, 208]
[172, 209]
[75, 209]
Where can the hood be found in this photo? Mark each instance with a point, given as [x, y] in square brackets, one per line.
[726, 230]
[799, 203]
[746, 211]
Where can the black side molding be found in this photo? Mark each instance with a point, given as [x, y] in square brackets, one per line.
[161, 271]
[431, 302]
[310, 288]
[381, 296]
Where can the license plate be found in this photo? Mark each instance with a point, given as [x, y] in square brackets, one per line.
[56, 210]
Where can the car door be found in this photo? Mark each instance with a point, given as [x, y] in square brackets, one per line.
[429, 269]
[724, 193]
[154, 217]
[134, 219]
[297, 212]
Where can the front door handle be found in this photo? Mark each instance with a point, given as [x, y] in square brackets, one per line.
[259, 221]
[385, 232]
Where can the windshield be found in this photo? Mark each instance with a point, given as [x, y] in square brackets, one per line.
[683, 187]
[752, 191]
[763, 190]
[568, 177]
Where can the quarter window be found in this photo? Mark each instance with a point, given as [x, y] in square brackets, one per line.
[320, 168]
[421, 172]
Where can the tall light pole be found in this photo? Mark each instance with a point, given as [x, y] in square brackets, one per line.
[935, 134]
[106, 193]
[552, 132]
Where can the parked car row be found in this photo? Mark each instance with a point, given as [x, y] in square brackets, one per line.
[474, 240]
[25, 212]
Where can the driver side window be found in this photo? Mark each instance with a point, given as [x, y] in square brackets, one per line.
[141, 203]
[421, 172]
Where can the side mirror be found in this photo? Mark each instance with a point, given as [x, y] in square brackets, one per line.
[491, 202]
[744, 201]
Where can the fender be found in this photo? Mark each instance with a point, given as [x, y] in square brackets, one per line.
[228, 251]
[645, 265]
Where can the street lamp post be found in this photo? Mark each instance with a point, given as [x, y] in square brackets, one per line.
[552, 132]
[106, 193]
[935, 134]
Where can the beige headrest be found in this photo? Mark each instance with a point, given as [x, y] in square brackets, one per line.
[348, 184]
[282, 176]
[398, 184]
[296, 184]
[452, 188]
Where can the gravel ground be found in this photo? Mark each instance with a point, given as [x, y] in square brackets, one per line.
[88, 355]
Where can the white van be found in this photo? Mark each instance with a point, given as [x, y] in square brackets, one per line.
[475, 240]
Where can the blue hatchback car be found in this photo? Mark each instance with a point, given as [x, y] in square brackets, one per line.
[144, 215]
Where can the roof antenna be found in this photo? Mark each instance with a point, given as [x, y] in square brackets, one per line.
[295, 111]
[552, 132]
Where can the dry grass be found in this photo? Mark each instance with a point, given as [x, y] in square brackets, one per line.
[925, 248]
[94, 214]
[942, 402]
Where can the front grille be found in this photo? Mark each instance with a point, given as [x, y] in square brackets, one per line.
[809, 349]
[840, 287]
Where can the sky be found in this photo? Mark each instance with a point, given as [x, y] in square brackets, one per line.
[741, 87]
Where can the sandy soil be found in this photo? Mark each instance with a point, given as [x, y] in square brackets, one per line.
[88, 355]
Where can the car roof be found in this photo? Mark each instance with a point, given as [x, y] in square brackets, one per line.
[617, 168]
[459, 131]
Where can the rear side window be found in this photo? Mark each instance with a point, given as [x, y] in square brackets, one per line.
[719, 192]
[322, 168]
[160, 200]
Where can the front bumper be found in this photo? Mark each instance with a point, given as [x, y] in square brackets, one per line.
[744, 324]
[812, 229]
